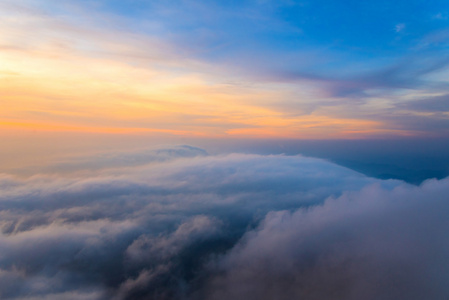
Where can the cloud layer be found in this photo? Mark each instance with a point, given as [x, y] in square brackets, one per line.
[193, 226]
[372, 244]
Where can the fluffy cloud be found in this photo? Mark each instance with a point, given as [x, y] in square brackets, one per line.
[372, 244]
[189, 225]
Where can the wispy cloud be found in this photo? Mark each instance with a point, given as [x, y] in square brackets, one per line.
[440, 16]
[399, 27]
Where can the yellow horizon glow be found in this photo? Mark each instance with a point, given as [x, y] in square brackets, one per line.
[53, 87]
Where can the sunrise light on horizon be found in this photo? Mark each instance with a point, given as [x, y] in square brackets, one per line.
[222, 149]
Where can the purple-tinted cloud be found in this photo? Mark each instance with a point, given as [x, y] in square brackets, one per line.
[214, 227]
[373, 244]
[133, 232]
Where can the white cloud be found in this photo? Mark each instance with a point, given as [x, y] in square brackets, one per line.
[371, 244]
[157, 228]
[440, 16]
[399, 27]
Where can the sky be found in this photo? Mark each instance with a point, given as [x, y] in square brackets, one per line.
[226, 69]
[208, 150]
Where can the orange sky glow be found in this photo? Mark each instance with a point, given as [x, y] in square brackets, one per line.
[71, 79]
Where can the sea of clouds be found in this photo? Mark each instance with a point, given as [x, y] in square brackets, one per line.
[177, 223]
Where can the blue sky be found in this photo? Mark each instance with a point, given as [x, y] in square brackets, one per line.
[353, 45]
[271, 69]
[360, 29]
[350, 35]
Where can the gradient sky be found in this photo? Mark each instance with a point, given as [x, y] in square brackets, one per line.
[215, 150]
[257, 69]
